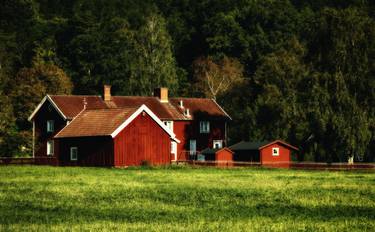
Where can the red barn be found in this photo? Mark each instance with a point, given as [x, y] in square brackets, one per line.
[114, 137]
[222, 156]
[275, 154]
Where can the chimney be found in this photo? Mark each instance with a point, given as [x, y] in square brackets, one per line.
[107, 92]
[181, 104]
[84, 103]
[162, 94]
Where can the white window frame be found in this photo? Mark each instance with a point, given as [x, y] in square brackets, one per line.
[219, 142]
[204, 127]
[174, 149]
[169, 124]
[50, 126]
[50, 147]
[71, 153]
[275, 151]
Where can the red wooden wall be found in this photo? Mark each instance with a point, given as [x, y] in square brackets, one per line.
[92, 151]
[187, 130]
[224, 157]
[283, 160]
[143, 140]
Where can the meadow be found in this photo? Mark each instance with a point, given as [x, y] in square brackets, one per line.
[36, 198]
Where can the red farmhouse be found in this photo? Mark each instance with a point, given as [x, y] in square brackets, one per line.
[64, 122]
[275, 154]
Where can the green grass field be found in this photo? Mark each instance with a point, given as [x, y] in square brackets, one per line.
[185, 199]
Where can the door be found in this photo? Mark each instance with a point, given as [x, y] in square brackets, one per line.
[193, 147]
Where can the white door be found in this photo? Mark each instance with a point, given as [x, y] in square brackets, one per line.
[193, 146]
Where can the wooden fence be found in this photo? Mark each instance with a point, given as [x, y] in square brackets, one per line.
[225, 164]
[28, 160]
[291, 165]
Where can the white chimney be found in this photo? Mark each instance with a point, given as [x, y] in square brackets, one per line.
[181, 104]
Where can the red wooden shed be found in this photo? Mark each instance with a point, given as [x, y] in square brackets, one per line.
[274, 154]
[223, 157]
[115, 137]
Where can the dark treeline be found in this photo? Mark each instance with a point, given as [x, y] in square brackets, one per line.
[301, 71]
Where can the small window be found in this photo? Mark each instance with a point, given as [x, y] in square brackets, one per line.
[169, 124]
[50, 126]
[50, 147]
[73, 153]
[204, 127]
[217, 144]
[275, 151]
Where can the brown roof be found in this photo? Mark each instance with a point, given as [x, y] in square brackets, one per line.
[200, 106]
[162, 110]
[70, 106]
[90, 122]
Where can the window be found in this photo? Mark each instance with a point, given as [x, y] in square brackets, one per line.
[204, 127]
[275, 151]
[50, 126]
[50, 147]
[169, 124]
[73, 153]
[216, 144]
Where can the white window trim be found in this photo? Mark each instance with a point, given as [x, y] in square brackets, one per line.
[277, 151]
[204, 127]
[219, 141]
[50, 147]
[174, 149]
[50, 125]
[71, 152]
[169, 125]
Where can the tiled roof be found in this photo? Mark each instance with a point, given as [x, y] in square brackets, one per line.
[90, 122]
[162, 110]
[200, 107]
[241, 146]
[247, 145]
[70, 106]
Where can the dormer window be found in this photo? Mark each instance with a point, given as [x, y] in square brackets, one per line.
[50, 126]
[204, 127]
[169, 124]
[187, 112]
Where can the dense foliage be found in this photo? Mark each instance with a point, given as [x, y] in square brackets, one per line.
[302, 71]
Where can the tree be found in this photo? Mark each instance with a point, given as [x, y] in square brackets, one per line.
[154, 64]
[30, 85]
[216, 78]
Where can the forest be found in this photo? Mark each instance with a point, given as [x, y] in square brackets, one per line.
[298, 70]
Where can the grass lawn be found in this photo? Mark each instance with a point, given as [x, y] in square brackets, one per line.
[185, 199]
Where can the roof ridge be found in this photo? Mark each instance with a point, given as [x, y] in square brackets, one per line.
[133, 96]
[204, 98]
[107, 109]
[71, 95]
